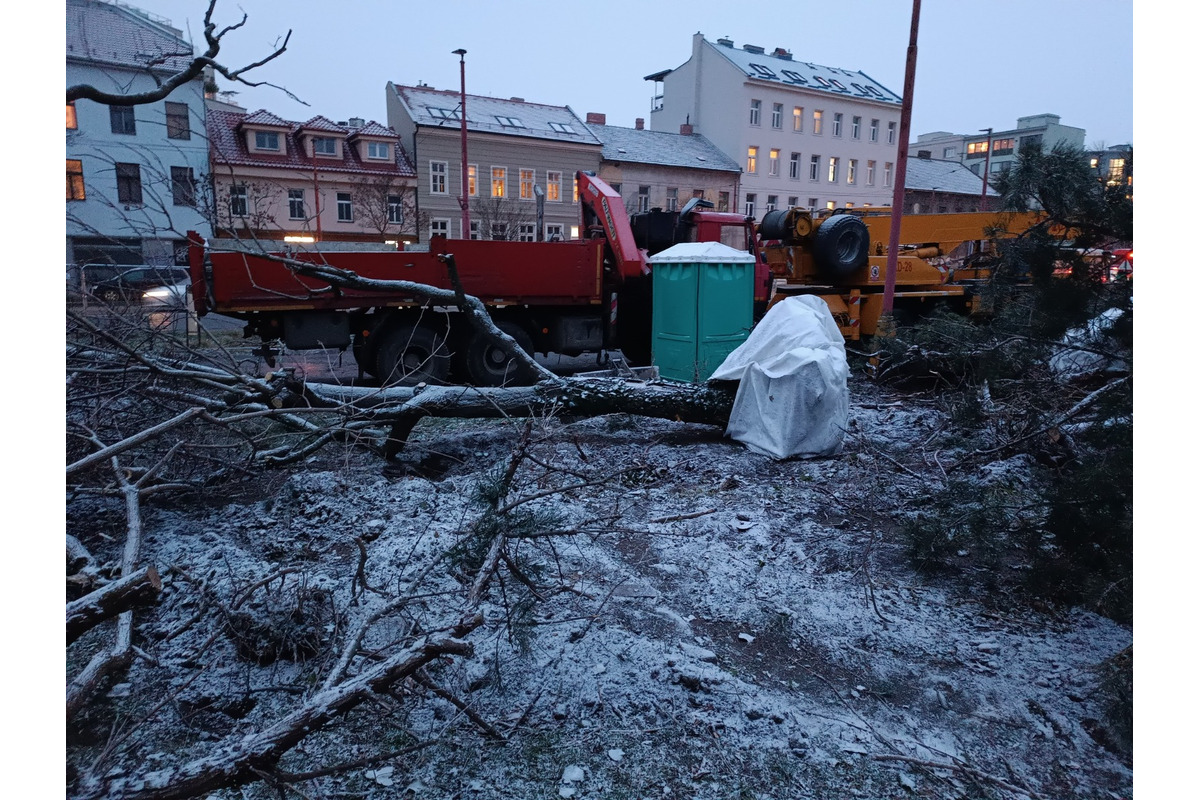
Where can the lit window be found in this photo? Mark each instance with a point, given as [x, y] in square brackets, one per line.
[1003, 147]
[977, 149]
[437, 177]
[178, 126]
[526, 184]
[887, 173]
[829, 204]
[1116, 169]
[817, 120]
[752, 159]
[575, 193]
[1095, 163]
[395, 209]
[574, 231]
[891, 133]
[870, 173]
[643, 198]
[295, 204]
[777, 115]
[121, 118]
[75, 189]
[833, 169]
[472, 173]
[851, 170]
[325, 146]
[266, 140]
[855, 127]
[183, 186]
[755, 112]
[72, 122]
[499, 181]
[554, 188]
[345, 208]
[378, 150]
[794, 167]
[749, 209]
[773, 164]
[239, 201]
[874, 130]
[814, 167]
[798, 119]
[837, 124]
[129, 183]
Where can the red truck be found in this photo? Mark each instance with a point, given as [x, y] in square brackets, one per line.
[585, 295]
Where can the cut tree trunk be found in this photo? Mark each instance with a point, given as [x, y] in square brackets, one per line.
[139, 589]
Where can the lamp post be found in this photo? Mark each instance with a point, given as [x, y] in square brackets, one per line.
[464, 202]
[987, 160]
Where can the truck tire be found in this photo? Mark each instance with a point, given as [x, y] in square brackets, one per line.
[841, 245]
[488, 365]
[412, 354]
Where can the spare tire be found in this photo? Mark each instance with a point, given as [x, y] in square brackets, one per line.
[841, 245]
[774, 224]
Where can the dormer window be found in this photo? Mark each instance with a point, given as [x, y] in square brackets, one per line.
[561, 127]
[266, 140]
[324, 146]
[509, 122]
[378, 150]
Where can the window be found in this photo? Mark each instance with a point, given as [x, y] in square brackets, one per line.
[526, 232]
[616, 187]
[295, 204]
[554, 187]
[874, 130]
[178, 126]
[755, 112]
[122, 120]
[814, 167]
[561, 127]
[672, 198]
[1003, 147]
[949, 152]
[345, 207]
[777, 115]
[837, 124]
[772, 202]
[891, 133]
[833, 169]
[129, 183]
[1031, 141]
[526, 184]
[793, 202]
[444, 113]
[437, 177]
[870, 173]
[818, 117]
[977, 149]
[773, 164]
[472, 174]
[798, 119]
[395, 205]
[1116, 169]
[75, 189]
[851, 171]
[378, 150]
[72, 122]
[324, 146]
[575, 195]
[554, 233]
[812, 204]
[439, 227]
[475, 230]
[239, 201]
[266, 140]
[183, 186]
[499, 181]
[752, 159]
[855, 127]
[794, 167]
[887, 173]
[829, 205]
[698, 194]
[509, 122]
[749, 210]
[643, 198]
[499, 231]
[722, 201]
[1095, 162]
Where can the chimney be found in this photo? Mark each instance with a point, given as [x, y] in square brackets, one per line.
[357, 122]
[685, 129]
[783, 53]
[640, 124]
[594, 119]
[754, 48]
[517, 99]
[725, 42]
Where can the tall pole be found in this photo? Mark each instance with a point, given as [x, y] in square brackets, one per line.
[317, 197]
[464, 201]
[910, 75]
[987, 160]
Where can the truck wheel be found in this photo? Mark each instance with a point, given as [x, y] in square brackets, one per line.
[841, 245]
[488, 365]
[412, 354]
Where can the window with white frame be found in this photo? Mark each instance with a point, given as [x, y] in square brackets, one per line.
[525, 178]
[395, 209]
[499, 181]
[643, 198]
[324, 145]
[752, 159]
[295, 204]
[472, 179]
[526, 232]
[672, 198]
[722, 201]
[554, 187]
[773, 163]
[870, 173]
[812, 204]
[887, 173]
[439, 227]
[798, 119]
[554, 233]
[575, 194]
[793, 202]
[777, 115]
[851, 171]
[561, 127]
[437, 177]
[178, 123]
[122, 120]
[794, 167]
[834, 161]
[266, 140]
[855, 127]
[874, 130]
[818, 118]
[756, 112]
[183, 186]
[474, 230]
[814, 168]
[239, 200]
[345, 208]
[949, 152]
[891, 133]
[749, 207]
[378, 150]
[772, 202]
[499, 231]
[837, 124]
[509, 122]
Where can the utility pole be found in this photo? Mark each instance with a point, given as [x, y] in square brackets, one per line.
[910, 74]
[464, 202]
[987, 160]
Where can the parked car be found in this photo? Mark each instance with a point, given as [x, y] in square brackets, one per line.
[167, 308]
[114, 283]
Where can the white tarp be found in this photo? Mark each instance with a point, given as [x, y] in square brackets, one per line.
[792, 399]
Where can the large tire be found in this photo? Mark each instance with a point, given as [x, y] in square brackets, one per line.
[841, 245]
[488, 365]
[412, 354]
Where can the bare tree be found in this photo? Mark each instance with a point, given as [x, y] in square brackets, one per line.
[387, 204]
[504, 219]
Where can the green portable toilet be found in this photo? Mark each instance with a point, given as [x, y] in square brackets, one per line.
[703, 307]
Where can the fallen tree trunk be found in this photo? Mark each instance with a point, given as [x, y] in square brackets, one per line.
[139, 589]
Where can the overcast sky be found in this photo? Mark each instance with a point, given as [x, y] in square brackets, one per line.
[979, 64]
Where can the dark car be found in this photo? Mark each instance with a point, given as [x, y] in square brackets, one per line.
[116, 283]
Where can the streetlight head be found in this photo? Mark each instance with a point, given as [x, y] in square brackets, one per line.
[459, 52]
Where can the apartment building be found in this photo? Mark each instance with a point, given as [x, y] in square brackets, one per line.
[659, 169]
[1040, 130]
[132, 171]
[824, 137]
[515, 150]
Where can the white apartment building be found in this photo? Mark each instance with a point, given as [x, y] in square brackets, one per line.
[1041, 130]
[804, 134]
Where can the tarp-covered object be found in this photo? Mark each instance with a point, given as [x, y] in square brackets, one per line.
[793, 399]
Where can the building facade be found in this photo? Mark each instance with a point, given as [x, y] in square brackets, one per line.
[938, 186]
[657, 169]
[316, 181]
[1041, 130]
[822, 136]
[515, 150]
[132, 171]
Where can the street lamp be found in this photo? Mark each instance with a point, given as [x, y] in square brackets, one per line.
[464, 201]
